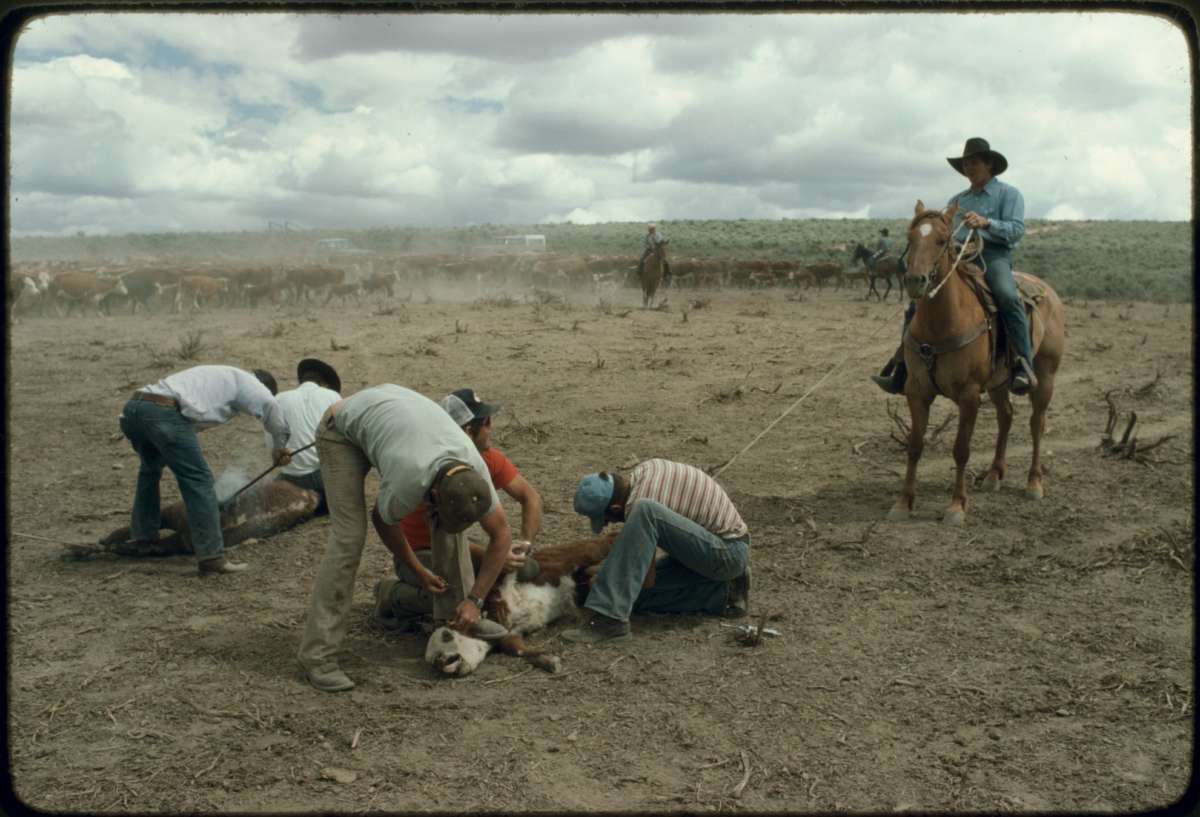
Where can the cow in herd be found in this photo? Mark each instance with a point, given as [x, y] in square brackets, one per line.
[58, 288]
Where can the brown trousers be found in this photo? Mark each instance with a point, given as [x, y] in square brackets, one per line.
[344, 468]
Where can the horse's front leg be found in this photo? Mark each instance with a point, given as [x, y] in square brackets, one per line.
[968, 410]
[918, 409]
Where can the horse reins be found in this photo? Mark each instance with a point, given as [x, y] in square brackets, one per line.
[931, 294]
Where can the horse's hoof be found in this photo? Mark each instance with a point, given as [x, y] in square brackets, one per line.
[898, 514]
[991, 483]
[1034, 493]
[955, 517]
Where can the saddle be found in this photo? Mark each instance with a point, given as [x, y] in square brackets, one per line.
[1031, 295]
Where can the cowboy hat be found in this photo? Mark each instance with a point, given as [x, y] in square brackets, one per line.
[324, 372]
[976, 146]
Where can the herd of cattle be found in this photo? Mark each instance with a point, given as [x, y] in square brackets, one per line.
[60, 288]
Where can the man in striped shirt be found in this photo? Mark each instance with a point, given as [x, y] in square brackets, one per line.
[682, 510]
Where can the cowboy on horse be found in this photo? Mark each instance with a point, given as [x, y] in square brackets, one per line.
[997, 212]
[653, 239]
[882, 247]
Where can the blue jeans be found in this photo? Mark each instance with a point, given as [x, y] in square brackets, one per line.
[1003, 284]
[695, 578]
[163, 437]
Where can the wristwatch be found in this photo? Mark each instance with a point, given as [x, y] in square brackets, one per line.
[474, 599]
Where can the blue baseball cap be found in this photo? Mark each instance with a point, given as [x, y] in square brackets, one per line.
[592, 498]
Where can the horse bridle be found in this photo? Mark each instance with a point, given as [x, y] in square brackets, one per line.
[929, 288]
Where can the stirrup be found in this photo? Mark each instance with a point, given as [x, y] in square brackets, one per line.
[1023, 379]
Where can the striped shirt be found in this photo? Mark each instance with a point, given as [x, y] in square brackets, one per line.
[689, 492]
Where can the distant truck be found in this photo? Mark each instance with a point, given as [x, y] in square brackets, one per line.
[339, 246]
[527, 243]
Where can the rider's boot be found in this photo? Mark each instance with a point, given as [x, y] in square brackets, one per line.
[893, 376]
[1023, 378]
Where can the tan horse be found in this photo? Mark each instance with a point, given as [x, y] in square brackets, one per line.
[948, 352]
[652, 273]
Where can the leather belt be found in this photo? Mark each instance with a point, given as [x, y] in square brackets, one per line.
[162, 400]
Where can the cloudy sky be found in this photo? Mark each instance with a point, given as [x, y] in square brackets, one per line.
[144, 123]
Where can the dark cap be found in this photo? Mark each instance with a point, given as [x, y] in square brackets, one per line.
[324, 372]
[463, 497]
[478, 408]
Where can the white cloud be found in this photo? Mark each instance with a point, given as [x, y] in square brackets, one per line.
[148, 122]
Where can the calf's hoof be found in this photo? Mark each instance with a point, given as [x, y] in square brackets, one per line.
[954, 517]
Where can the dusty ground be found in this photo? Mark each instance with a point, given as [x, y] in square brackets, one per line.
[1037, 658]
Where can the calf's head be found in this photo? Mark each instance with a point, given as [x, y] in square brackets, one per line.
[453, 653]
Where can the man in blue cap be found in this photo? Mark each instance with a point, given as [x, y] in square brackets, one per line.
[682, 510]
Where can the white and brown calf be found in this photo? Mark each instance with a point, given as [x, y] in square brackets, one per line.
[524, 608]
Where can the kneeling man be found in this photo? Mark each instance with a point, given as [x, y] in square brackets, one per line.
[682, 510]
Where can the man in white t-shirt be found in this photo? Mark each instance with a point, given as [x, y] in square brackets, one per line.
[161, 421]
[422, 457]
[302, 407]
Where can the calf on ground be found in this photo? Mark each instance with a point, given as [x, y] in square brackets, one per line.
[524, 608]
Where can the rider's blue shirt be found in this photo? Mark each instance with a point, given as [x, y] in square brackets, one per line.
[1002, 204]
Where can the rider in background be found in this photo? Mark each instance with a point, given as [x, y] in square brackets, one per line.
[997, 212]
[653, 239]
[882, 247]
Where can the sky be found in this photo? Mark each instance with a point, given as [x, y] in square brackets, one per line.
[140, 123]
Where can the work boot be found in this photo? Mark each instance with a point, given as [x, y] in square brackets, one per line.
[738, 603]
[892, 378]
[221, 565]
[1023, 379]
[599, 629]
[328, 677]
[385, 616]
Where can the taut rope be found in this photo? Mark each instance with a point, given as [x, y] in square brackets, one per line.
[799, 400]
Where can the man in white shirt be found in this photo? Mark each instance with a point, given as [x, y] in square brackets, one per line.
[422, 456]
[302, 408]
[161, 422]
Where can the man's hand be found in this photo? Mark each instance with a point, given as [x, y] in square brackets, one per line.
[432, 582]
[516, 555]
[976, 221]
[465, 615]
[281, 456]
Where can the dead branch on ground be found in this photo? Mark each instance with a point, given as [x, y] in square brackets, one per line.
[1127, 448]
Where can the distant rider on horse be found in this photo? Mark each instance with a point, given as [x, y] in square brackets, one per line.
[882, 248]
[653, 239]
[997, 212]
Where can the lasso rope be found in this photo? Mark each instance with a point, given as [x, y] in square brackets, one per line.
[800, 400]
[933, 293]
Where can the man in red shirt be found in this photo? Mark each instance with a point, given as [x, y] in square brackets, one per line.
[407, 597]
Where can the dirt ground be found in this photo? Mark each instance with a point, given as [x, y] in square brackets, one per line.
[1037, 658]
